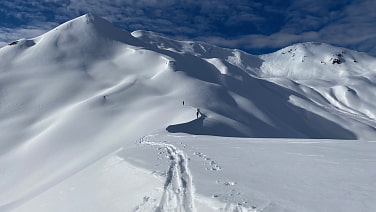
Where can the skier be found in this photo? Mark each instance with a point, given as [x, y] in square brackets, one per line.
[198, 112]
[183, 102]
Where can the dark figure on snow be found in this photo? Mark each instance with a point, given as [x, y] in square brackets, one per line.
[198, 112]
[183, 103]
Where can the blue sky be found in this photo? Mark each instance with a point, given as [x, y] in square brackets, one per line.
[257, 27]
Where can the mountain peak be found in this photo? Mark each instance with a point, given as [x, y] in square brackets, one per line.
[90, 18]
[100, 24]
[87, 37]
[89, 30]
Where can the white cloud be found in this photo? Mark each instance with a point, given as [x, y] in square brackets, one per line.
[11, 34]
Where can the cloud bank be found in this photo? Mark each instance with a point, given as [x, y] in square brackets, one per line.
[254, 26]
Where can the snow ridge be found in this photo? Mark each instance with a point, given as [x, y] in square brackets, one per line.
[178, 192]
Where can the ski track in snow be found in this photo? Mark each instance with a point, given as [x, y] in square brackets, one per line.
[178, 191]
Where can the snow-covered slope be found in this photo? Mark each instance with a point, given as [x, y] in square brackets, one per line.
[180, 172]
[331, 82]
[340, 80]
[78, 93]
[317, 61]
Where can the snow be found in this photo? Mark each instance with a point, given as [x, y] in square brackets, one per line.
[92, 120]
[278, 174]
[222, 174]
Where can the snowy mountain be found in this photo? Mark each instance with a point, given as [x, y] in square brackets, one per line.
[84, 109]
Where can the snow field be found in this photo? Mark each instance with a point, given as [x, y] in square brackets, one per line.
[272, 174]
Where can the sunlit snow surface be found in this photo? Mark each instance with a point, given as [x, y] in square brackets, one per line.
[92, 119]
[225, 174]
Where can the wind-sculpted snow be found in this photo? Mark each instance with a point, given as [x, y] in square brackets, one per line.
[74, 95]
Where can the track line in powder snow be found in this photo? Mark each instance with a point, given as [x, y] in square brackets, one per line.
[178, 191]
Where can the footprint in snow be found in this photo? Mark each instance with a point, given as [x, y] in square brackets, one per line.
[212, 164]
